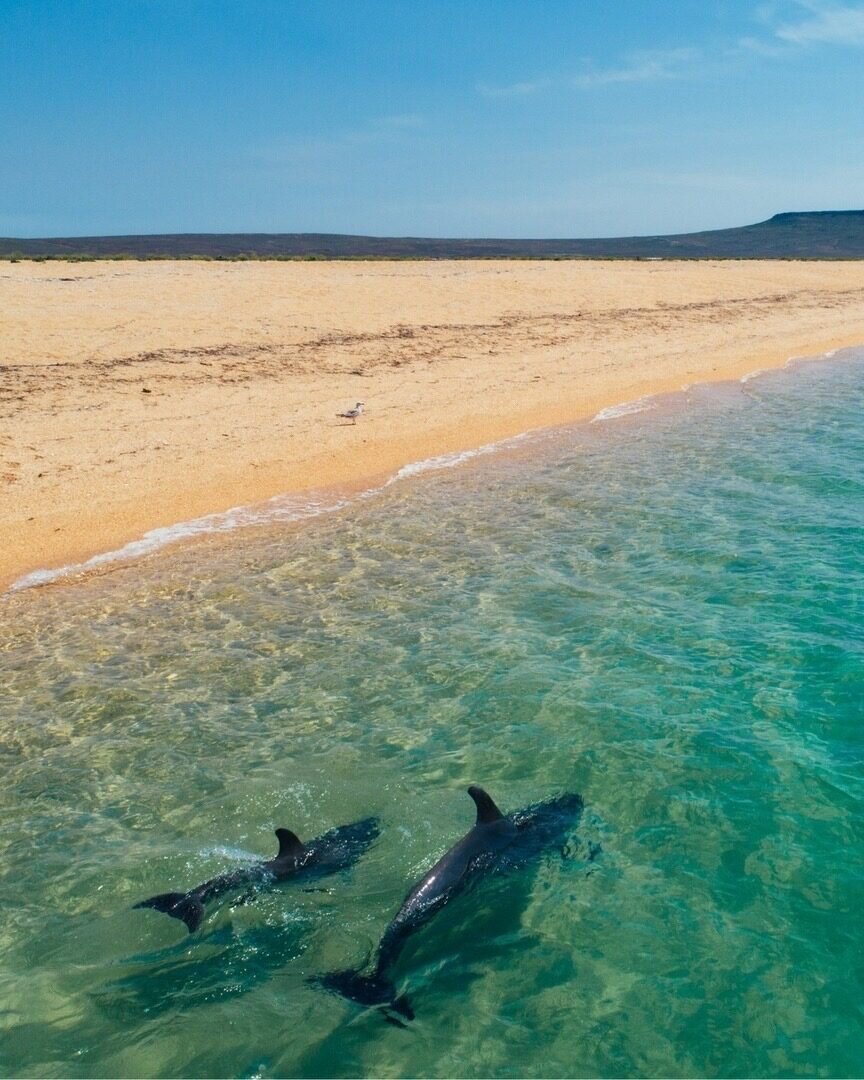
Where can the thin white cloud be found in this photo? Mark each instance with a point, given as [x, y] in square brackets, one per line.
[826, 24]
[399, 120]
[818, 23]
[308, 150]
[515, 90]
[645, 67]
[764, 47]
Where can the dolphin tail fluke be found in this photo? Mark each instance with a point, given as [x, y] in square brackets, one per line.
[184, 906]
[368, 990]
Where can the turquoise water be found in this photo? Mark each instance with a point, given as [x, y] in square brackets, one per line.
[662, 611]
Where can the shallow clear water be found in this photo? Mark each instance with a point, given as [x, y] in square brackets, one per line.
[662, 612]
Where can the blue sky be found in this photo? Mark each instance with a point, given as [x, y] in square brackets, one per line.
[426, 117]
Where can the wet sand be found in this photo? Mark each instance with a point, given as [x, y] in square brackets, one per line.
[138, 395]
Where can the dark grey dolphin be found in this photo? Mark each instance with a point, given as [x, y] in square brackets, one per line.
[333, 851]
[497, 842]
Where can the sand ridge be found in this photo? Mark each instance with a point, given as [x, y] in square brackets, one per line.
[137, 395]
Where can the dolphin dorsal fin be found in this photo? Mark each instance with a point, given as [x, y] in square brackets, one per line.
[289, 843]
[486, 809]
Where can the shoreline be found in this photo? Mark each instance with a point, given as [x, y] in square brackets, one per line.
[292, 508]
[419, 408]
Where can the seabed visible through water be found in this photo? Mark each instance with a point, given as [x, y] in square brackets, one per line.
[662, 612]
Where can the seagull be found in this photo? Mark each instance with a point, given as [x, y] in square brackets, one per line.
[352, 414]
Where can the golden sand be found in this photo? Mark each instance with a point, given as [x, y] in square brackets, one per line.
[136, 395]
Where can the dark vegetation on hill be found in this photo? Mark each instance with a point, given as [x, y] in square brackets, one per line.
[825, 234]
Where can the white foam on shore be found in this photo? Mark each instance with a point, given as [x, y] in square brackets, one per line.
[626, 408]
[432, 464]
[450, 461]
[281, 508]
[790, 362]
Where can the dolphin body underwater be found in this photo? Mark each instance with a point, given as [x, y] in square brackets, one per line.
[496, 843]
[329, 853]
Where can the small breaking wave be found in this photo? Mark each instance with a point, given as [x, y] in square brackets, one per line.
[791, 362]
[626, 408]
[450, 461]
[754, 374]
[280, 509]
[432, 464]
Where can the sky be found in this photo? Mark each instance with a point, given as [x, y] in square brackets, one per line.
[510, 118]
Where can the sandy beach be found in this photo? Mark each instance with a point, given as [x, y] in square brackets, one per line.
[138, 395]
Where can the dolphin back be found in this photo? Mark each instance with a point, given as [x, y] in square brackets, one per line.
[542, 827]
[339, 848]
[184, 906]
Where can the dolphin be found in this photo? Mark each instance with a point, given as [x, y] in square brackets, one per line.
[496, 843]
[327, 854]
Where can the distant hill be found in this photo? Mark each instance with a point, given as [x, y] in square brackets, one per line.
[823, 234]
